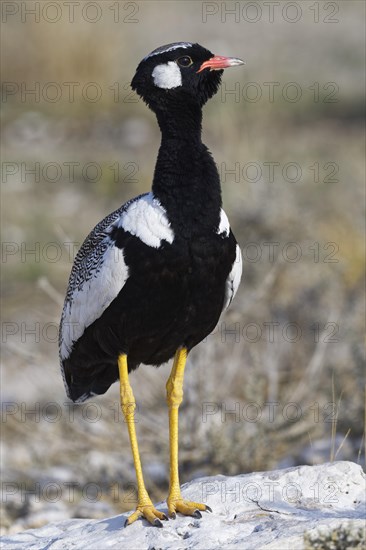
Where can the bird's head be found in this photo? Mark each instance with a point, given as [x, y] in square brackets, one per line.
[178, 73]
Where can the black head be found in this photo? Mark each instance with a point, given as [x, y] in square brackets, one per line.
[181, 72]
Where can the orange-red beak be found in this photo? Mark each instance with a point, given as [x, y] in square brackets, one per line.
[219, 62]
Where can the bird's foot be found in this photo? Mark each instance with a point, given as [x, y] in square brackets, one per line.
[150, 513]
[186, 507]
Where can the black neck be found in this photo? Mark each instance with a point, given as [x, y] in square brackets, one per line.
[186, 180]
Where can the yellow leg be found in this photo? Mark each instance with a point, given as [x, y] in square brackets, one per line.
[144, 507]
[174, 387]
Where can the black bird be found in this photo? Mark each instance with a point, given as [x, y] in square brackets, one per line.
[152, 279]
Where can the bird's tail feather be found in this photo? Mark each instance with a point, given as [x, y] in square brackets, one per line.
[97, 382]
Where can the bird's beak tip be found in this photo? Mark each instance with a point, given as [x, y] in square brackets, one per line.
[219, 62]
[235, 61]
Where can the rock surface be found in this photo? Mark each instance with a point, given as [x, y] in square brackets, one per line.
[271, 510]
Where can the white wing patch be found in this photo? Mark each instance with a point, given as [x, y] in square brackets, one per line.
[147, 220]
[167, 76]
[93, 297]
[224, 226]
[233, 280]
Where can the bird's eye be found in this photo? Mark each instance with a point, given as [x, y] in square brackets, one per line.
[184, 61]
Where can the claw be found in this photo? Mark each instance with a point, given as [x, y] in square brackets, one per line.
[208, 509]
[150, 513]
[157, 523]
[186, 508]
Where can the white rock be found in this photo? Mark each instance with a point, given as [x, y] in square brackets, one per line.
[268, 510]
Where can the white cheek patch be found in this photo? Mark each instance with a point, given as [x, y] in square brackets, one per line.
[167, 76]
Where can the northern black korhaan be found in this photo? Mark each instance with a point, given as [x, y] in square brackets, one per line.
[152, 279]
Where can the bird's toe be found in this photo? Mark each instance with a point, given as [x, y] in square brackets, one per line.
[187, 508]
[151, 514]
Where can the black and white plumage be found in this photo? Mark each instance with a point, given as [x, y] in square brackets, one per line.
[157, 273]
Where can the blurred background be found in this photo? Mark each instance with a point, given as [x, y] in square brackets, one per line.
[281, 380]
